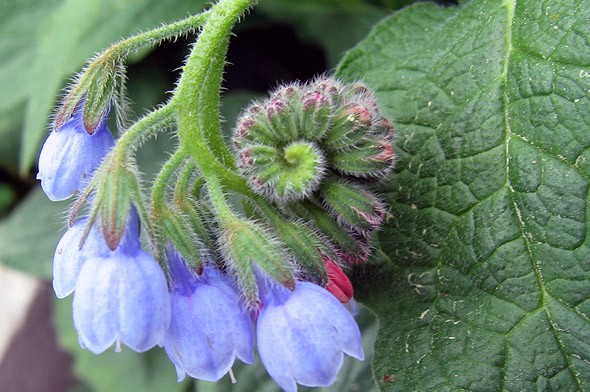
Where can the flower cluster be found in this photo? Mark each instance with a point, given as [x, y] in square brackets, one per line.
[305, 138]
[314, 150]
[217, 284]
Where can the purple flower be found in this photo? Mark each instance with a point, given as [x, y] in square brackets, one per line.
[121, 298]
[70, 156]
[303, 335]
[208, 326]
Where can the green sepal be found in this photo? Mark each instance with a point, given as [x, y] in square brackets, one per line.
[371, 158]
[113, 200]
[301, 170]
[353, 206]
[99, 95]
[253, 128]
[202, 223]
[331, 88]
[244, 243]
[74, 97]
[282, 113]
[175, 228]
[261, 156]
[95, 86]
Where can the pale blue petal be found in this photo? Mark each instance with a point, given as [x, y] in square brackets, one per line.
[208, 327]
[144, 308]
[303, 336]
[69, 257]
[345, 328]
[69, 158]
[96, 303]
[122, 299]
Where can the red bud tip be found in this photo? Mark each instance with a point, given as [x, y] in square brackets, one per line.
[338, 283]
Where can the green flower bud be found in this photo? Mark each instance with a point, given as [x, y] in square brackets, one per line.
[315, 115]
[349, 246]
[372, 157]
[95, 86]
[279, 112]
[350, 124]
[353, 206]
[283, 174]
[305, 244]
[253, 128]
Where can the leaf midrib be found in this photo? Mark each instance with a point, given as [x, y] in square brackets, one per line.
[510, 6]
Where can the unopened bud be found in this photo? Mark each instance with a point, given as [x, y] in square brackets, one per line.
[349, 246]
[286, 174]
[253, 128]
[349, 126]
[315, 115]
[338, 283]
[371, 158]
[304, 243]
[281, 115]
[177, 230]
[353, 206]
[113, 200]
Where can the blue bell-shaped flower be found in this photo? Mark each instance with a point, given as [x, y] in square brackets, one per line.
[209, 327]
[303, 334]
[70, 156]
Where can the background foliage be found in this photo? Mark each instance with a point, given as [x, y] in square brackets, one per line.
[480, 280]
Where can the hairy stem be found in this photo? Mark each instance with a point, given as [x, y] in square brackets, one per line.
[197, 99]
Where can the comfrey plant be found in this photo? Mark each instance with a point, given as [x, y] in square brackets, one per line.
[242, 245]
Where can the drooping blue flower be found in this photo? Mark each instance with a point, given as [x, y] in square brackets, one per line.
[72, 252]
[208, 327]
[70, 156]
[303, 335]
[121, 298]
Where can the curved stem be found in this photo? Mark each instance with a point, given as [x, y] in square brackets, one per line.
[147, 126]
[193, 97]
[159, 186]
[181, 190]
[131, 44]
[209, 100]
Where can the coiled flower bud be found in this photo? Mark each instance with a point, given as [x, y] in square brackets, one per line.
[288, 144]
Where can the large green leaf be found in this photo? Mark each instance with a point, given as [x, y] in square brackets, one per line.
[487, 279]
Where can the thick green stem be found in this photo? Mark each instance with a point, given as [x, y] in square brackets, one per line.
[193, 99]
[98, 80]
[210, 116]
